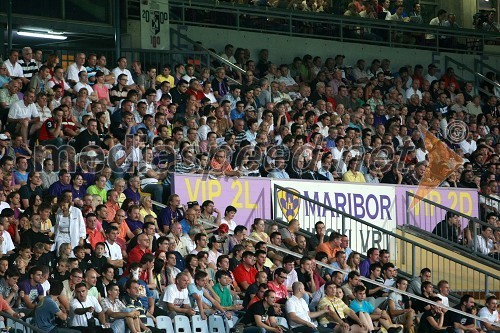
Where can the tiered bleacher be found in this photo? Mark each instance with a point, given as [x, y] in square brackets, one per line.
[95, 239]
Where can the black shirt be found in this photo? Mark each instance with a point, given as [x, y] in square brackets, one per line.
[425, 326]
[30, 238]
[453, 317]
[258, 309]
[305, 278]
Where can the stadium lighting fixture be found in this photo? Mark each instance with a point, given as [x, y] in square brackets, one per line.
[46, 35]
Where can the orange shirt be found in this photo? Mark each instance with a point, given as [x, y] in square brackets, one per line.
[220, 167]
[330, 251]
[111, 210]
[94, 237]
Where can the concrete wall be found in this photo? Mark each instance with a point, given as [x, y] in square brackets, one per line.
[282, 49]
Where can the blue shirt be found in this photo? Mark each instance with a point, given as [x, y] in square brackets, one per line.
[144, 291]
[45, 314]
[362, 306]
[236, 115]
[185, 226]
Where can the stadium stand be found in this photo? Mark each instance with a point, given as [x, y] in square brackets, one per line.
[96, 238]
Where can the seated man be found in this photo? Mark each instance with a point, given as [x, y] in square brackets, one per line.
[23, 116]
[118, 314]
[175, 298]
[490, 313]
[82, 310]
[300, 318]
[201, 299]
[458, 321]
[261, 316]
[48, 310]
[368, 313]
[334, 311]
[400, 307]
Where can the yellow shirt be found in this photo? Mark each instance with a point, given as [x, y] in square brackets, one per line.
[162, 78]
[350, 177]
[336, 302]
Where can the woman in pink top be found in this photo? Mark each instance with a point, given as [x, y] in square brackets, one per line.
[101, 89]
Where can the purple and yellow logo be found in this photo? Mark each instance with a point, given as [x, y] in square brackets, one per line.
[289, 203]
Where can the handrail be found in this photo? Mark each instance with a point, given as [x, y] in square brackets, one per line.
[213, 54]
[474, 220]
[22, 322]
[388, 232]
[364, 279]
[487, 80]
[234, 13]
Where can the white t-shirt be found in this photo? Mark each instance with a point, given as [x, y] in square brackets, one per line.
[19, 110]
[7, 244]
[14, 70]
[491, 317]
[80, 85]
[444, 299]
[82, 320]
[231, 224]
[117, 71]
[299, 306]
[112, 251]
[72, 72]
[174, 296]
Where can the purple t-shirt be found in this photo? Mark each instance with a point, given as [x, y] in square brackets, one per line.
[32, 291]
[136, 196]
[134, 225]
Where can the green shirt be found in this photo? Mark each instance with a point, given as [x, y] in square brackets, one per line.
[224, 294]
[95, 190]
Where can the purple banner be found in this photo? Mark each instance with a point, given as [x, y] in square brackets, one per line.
[426, 216]
[249, 195]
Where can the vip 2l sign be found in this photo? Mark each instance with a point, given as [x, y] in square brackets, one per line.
[155, 25]
[250, 196]
[373, 204]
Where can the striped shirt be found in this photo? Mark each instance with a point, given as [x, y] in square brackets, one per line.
[29, 69]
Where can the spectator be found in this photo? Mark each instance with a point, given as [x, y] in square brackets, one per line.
[400, 306]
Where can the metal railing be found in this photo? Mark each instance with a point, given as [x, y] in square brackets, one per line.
[182, 37]
[328, 26]
[362, 278]
[425, 223]
[24, 325]
[488, 200]
[409, 255]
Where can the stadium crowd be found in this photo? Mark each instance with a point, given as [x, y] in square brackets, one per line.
[85, 149]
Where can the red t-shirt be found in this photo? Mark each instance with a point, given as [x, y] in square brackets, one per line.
[135, 255]
[241, 274]
[48, 124]
[280, 290]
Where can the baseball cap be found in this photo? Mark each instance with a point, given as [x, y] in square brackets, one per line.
[4, 137]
